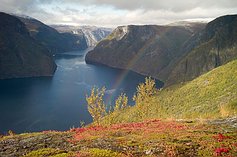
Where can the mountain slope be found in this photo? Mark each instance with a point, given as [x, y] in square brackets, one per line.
[49, 37]
[215, 46]
[145, 49]
[212, 95]
[174, 53]
[92, 34]
[20, 54]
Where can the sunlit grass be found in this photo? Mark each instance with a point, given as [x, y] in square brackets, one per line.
[210, 96]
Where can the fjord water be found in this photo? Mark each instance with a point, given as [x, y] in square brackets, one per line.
[58, 103]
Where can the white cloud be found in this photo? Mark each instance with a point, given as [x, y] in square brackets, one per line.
[122, 12]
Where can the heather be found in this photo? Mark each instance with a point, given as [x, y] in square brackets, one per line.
[147, 138]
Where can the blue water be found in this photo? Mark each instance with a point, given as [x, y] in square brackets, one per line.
[58, 103]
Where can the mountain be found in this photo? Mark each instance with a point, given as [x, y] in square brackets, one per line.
[92, 34]
[175, 53]
[148, 49]
[215, 45]
[20, 54]
[49, 37]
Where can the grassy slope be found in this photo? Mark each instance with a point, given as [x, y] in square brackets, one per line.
[212, 95]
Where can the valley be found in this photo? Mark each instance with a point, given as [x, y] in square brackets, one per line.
[136, 90]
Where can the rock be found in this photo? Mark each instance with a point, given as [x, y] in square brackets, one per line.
[92, 34]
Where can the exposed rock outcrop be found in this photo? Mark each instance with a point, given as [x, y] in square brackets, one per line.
[92, 34]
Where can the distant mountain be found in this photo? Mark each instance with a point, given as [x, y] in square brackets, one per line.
[20, 54]
[49, 37]
[214, 46]
[92, 34]
[148, 49]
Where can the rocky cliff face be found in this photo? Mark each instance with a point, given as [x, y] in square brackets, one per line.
[149, 49]
[214, 46]
[49, 37]
[92, 34]
[173, 53]
[20, 54]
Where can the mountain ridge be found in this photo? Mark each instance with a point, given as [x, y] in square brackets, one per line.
[177, 53]
[20, 54]
[138, 47]
[92, 34]
[49, 37]
[215, 46]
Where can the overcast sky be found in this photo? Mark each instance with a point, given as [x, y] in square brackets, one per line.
[119, 12]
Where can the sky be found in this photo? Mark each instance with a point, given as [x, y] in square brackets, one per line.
[112, 13]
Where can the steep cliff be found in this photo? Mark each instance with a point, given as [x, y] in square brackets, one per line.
[173, 53]
[92, 34]
[20, 54]
[214, 46]
[148, 49]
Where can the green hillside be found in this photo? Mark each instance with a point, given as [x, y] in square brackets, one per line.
[212, 95]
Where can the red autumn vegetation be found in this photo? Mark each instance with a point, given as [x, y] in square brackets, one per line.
[157, 137]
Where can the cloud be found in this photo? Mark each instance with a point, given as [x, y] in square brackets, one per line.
[118, 12]
[171, 5]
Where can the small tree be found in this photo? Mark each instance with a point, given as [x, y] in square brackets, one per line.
[96, 106]
[121, 102]
[143, 95]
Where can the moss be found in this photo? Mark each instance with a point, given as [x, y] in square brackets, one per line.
[49, 152]
[204, 152]
[96, 152]
[23, 135]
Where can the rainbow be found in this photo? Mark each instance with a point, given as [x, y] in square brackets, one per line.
[125, 72]
[133, 61]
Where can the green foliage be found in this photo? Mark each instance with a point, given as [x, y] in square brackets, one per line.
[96, 106]
[51, 152]
[96, 152]
[121, 102]
[145, 91]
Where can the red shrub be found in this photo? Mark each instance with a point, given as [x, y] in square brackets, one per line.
[220, 151]
[220, 137]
